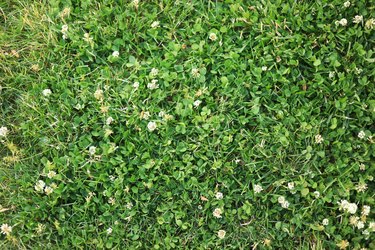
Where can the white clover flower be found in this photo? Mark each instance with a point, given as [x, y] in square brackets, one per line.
[219, 195]
[199, 93]
[115, 53]
[109, 120]
[129, 205]
[343, 205]
[281, 199]
[51, 174]
[370, 24]
[291, 185]
[257, 188]
[360, 225]
[87, 37]
[318, 139]
[154, 72]
[64, 31]
[109, 231]
[331, 74]
[136, 85]
[3, 131]
[365, 232]
[167, 117]
[92, 150]
[353, 220]
[362, 167]
[217, 213]
[48, 190]
[264, 68]
[46, 92]
[357, 19]
[195, 72]
[108, 132]
[212, 36]
[343, 22]
[325, 222]
[371, 226]
[65, 12]
[361, 134]
[153, 85]
[316, 194]
[89, 196]
[285, 204]
[343, 244]
[53, 185]
[40, 229]
[39, 186]
[6, 229]
[361, 187]
[64, 28]
[98, 94]
[161, 113]
[221, 234]
[135, 3]
[197, 103]
[104, 109]
[155, 24]
[346, 4]
[151, 126]
[34, 67]
[366, 210]
[352, 208]
[145, 115]
[112, 201]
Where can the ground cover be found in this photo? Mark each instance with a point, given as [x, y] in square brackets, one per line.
[187, 124]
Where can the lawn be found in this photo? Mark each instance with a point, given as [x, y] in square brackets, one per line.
[187, 124]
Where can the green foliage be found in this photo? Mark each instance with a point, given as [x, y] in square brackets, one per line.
[156, 108]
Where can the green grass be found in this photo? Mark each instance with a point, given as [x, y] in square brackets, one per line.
[278, 75]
